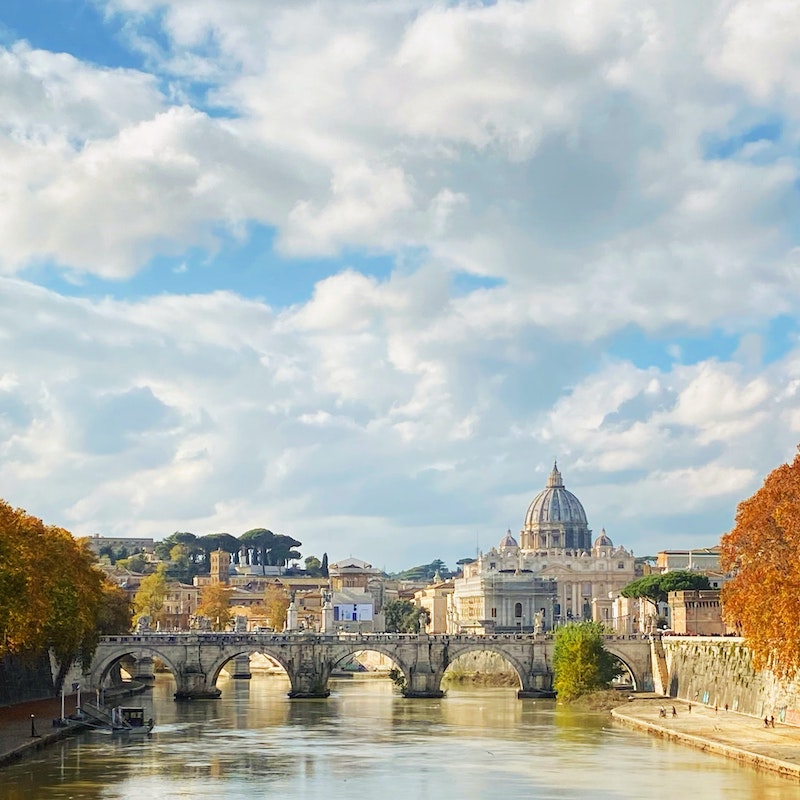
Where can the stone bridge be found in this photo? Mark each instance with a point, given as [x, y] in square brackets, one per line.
[196, 659]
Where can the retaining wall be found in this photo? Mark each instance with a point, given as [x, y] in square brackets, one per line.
[719, 671]
[24, 679]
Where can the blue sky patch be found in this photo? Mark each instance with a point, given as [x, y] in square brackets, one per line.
[67, 26]
[769, 130]
[250, 267]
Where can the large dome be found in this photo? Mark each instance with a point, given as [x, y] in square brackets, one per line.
[556, 520]
[555, 504]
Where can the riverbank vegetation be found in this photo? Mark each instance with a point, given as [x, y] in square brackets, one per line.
[581, 664]
[52, 598]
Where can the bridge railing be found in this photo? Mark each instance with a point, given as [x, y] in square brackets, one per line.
[184, 637]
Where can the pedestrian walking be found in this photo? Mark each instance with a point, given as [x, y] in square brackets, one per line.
[772, 722]
[674, 712]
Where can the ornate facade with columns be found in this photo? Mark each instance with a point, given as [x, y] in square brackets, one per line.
[555, 573]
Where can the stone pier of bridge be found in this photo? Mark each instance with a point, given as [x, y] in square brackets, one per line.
[196, 659]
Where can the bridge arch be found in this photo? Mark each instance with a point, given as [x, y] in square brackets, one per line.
[457, 653]
[101, 668]
[637, 676]
[229, 654]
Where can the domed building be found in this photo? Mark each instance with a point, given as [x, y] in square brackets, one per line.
[555, 519]
[555, 574]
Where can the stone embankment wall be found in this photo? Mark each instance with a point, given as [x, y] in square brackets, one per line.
[719, 671]
[24, 679]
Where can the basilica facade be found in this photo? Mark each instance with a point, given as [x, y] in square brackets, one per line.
[555, 573]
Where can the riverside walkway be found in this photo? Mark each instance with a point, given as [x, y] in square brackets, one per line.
[15, 726]
[726, 733]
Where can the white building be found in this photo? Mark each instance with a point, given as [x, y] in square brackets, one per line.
[555, 574]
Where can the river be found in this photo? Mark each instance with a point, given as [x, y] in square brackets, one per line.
[365, 741]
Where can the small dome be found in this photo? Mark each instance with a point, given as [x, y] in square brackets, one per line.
[508, 541]
[602, 540]
[555, 504]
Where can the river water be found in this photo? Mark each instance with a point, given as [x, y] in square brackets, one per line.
[365, 741]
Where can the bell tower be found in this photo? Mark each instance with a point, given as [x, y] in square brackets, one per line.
[220, 566]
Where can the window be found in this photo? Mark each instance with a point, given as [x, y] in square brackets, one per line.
[494, 612]
[620, 565]
[518, 610]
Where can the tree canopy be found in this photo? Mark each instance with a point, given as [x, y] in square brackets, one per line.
[272, 549]
[402, 616]
[761, 600]
[149, 599]
[215, 604]
[580, 661]
[51, 594]
[425, 572]
[187, 555]
[657, 587]
[276, 605]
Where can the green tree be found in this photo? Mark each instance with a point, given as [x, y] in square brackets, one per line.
[135, 563]
[656, 588]
[162, 548]
[313, 567]
[325, 565]
[218, 541]
[260, 540]
[272, 549]
[425, 572]
[580, 661]
[149, 599]
[402, 616]
[282, 550]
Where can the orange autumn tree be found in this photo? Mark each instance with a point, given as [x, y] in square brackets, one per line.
[762, 600]
[215, 604]
[51, 593]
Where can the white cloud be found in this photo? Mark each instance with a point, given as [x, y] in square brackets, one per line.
[569, 150]
[182, 412]
[758, 48]
[535, 141]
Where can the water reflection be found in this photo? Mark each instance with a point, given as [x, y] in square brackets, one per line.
[366, 742]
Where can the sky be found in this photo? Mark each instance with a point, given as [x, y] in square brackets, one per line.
[360, 273]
